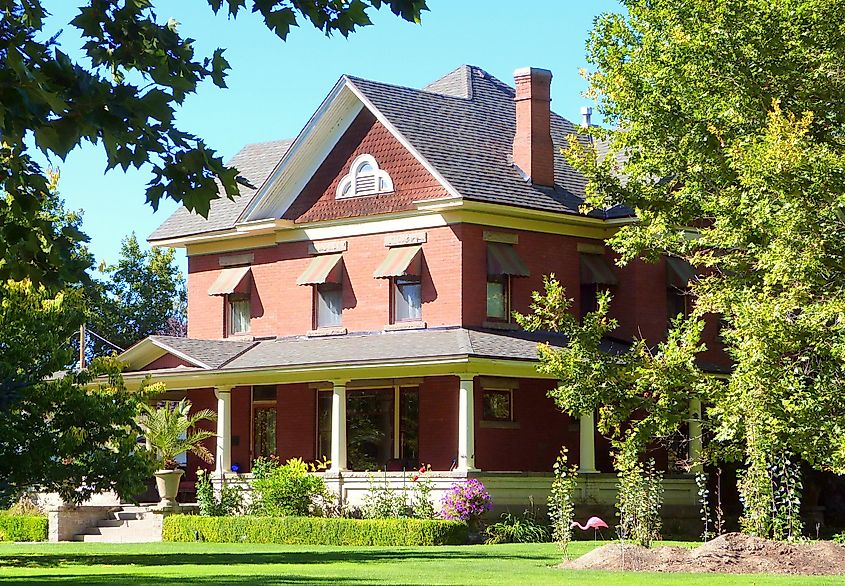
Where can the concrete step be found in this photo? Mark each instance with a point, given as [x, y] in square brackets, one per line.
[127, 525]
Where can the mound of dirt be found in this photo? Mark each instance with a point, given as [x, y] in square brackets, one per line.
[733, 553]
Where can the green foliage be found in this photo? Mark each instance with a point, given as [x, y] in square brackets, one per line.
[562, 499]
[143, 294]
[314, 531]
[641, 393]
[770, 491]
[286, 490]
[839, 538]
[412, 500]
[22, 527]
[171, 430]
[729, 120]
[513, 529]
[229, 502]
[135, 71]
[638, 502]
[70, 432]
[704, 501]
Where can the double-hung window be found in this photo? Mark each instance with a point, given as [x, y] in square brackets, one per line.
[234, 284]
[679, 273]
[325, 274]
[596, 276]
[403, 267]
[503, 264]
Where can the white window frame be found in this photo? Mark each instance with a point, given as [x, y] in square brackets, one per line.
[231, 300]
[317, 302]
[397, 296]
[359, 183]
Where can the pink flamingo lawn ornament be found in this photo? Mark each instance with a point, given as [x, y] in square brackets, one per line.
[594, 523]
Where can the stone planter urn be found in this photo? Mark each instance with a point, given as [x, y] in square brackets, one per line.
[167, 482]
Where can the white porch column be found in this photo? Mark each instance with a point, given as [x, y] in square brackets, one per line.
[223, 459]
[587, 444]
[338, 451]
[466, 423]
[695, 439]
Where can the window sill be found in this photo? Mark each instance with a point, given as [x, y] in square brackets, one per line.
[406, 325]
[499, 424]
[321, 332]
[244, 337]
[500, 325]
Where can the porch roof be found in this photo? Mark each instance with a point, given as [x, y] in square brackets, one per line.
[432, 343]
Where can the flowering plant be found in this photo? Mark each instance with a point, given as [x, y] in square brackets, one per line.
[466, 501]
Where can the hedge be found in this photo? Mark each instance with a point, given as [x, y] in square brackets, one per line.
[22, 527]
[314, 530]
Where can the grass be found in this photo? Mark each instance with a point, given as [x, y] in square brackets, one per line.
[245, 564]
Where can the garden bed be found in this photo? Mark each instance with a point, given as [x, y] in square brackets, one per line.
[314, 531]
[732, 553]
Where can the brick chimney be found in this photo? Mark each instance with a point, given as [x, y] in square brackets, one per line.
[533, 151]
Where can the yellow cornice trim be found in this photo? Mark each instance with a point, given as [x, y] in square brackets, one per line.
[429, 214]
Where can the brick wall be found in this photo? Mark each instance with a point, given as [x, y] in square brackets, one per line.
[296, 421]
[439, 421]
[280, 307]
[535, 443]
[202, 399]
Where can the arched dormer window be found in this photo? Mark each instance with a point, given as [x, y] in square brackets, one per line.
[364, 178]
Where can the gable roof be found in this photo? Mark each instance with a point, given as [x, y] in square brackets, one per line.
[460, 126]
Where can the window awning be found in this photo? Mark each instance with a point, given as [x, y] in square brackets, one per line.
[232, 280]
[502, 259]
[595, 271]
[679, 272]
[325, 268]
[401, 261]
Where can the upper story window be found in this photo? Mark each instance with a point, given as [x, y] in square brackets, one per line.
[240, 314]
[364, 178]
[679, 273]
[403, 266]
[328, 305]
[325, 274]
[503, 263]
[235, 285]
[596, 276]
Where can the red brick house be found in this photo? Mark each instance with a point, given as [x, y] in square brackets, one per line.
[354, 303]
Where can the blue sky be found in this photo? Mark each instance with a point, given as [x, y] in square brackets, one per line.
[275, 86]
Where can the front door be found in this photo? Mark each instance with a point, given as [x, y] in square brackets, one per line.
[263, 421]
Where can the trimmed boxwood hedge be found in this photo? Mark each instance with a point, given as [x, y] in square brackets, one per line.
[314, 530]
[22, 527]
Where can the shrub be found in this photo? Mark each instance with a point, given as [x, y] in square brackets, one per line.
[230, 501]
[289, 489]
[562, 499]
[839, 538]
[513, 529]
[22, 527]
[314, 531]
[466, 501]
[411, 501]
[638, 503]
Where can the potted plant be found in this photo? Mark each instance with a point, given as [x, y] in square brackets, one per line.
[170, 432]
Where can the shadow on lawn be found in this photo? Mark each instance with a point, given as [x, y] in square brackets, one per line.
[136, 580]
[250, 558]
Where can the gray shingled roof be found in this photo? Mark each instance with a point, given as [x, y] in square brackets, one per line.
[463, 124]
[255, 162]
[368, 347]
[214, 353]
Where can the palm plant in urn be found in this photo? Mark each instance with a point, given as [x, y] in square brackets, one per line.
[171, 431]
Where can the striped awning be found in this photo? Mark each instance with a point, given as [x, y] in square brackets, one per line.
[502, 259]
[679, 272]
[231, 280]
[401, 261]
[595, 271]
[325, 268]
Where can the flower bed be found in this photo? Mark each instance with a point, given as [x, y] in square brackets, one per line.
[314, 530]
[22, 527]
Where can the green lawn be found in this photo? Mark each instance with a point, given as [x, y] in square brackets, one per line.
[202, 563]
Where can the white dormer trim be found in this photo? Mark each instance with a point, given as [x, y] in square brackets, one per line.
[364, 178]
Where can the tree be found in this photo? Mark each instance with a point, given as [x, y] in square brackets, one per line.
[171, 431]
[65, 432]
[728, 144]
[144, 294]
[141, 70]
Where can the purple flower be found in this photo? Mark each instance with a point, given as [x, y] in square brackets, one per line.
[466, 501]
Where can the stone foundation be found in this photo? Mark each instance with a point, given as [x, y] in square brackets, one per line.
[65, 521]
